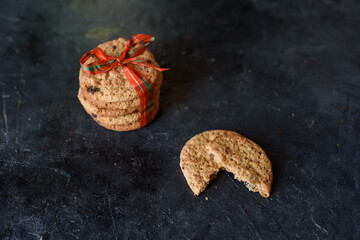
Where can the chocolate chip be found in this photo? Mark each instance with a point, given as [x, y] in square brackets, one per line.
[149, 61]
[92, 89]
[114, 47]
[94, 115]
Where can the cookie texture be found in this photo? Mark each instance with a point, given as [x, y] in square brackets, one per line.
[119, 119]
[89, 92]
[197, 164]
[110, 112]
[245, 159]
[121, 127]
[113, 86]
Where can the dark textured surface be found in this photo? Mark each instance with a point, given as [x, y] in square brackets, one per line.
[285, 74]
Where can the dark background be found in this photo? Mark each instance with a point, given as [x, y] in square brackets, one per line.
[285, 74]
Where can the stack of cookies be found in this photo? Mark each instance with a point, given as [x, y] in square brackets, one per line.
[109, 98]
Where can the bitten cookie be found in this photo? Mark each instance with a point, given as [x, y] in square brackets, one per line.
[198, 165]
[245, 159]
[209, 152]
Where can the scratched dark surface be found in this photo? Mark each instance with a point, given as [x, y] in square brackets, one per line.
[285, 74]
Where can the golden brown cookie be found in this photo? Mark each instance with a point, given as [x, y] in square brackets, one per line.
[119, 119]
[245, 159]
[125, 127]
[128, 104]
[113, 86]
[104, 111]
[198, 165]
[94, 109]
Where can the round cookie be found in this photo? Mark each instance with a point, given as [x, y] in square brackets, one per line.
[104, 111]
[120, 119]
[245, 159]
[198, 165]
[89, 92]
[109, 111]
[123, 119]
[121, 128]
[113, 86]
[129, 104]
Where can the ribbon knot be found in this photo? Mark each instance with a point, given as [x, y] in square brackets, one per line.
[119, 60]
[143, 87]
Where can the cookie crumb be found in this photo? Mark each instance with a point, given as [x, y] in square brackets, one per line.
[206, 198]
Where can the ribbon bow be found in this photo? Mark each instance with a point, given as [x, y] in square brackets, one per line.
[143, 87]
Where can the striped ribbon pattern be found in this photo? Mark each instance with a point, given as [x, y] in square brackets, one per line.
[143, 87]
